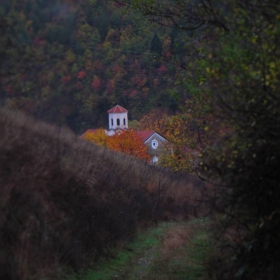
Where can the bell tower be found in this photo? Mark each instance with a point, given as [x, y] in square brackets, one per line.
[118, 118]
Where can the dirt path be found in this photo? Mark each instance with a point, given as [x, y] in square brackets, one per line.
[161, 253]
[140, 265]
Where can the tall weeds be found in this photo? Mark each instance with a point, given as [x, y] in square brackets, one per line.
[65, 202]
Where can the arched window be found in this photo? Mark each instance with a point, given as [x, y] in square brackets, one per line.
[124, 121]
[118, 122]
[112, 122]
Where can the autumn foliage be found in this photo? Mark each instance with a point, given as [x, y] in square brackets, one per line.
[125, 141]
[185, 131]
[96, 84]
[98, 136]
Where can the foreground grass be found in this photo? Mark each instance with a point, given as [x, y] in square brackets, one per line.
[170, 251]
[125, 261]
[183, 254]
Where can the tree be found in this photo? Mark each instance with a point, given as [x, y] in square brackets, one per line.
[96, 84]
[99, 137]
[156, 119]
[63, 51]
[127, 141]
[156, 45]
[185, 131]
[238, 74]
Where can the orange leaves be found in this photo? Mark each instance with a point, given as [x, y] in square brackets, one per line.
[125, 141]
[185, 131]
[155, 120]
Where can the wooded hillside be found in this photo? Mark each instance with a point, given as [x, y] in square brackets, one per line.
[68, 62]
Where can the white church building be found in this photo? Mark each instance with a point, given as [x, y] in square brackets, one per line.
[118, 120]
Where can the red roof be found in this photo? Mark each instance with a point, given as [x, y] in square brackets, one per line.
[144, 135]
[117, 109]
[83, 136]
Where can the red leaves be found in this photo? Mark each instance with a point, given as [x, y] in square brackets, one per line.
[39, 42]
[66, 79]
[168, 55]
[82, 75]
[96, 84]
[162, 69]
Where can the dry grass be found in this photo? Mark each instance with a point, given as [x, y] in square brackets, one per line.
[183, 254]
[65, 201]
[176, 239]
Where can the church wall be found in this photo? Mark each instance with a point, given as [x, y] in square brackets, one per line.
[156, 151]
[118, 120]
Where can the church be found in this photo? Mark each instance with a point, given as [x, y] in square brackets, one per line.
[118, 120]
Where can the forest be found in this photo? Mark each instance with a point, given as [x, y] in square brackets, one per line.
[68, 62]
[203, 73]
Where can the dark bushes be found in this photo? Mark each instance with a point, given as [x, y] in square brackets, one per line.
[66, 202]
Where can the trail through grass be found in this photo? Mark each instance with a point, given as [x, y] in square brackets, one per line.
[172, 251]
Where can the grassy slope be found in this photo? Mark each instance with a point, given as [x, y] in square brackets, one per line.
[183, 254]
[66, 202]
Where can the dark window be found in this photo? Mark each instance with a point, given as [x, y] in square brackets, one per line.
[112, 122]
[123, 121]
[118, 121]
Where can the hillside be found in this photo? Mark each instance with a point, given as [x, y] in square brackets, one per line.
[66, 202]
[67, 62]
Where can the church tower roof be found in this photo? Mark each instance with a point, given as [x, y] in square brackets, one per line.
[117, 109]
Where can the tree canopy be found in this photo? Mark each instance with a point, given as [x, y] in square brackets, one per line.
[125, 141]
[237, 71]
[68, 62]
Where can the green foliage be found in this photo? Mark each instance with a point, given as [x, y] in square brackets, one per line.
[156, 45]
[125, 263]
[237, 72]
[184, 252]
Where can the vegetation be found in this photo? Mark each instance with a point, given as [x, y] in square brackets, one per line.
[67, 62]
[206, 76]
[172, 250]
[237, 72]
[184, 130]
[184, 252]
[66, 202]
[125, 141]
[125, 264]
